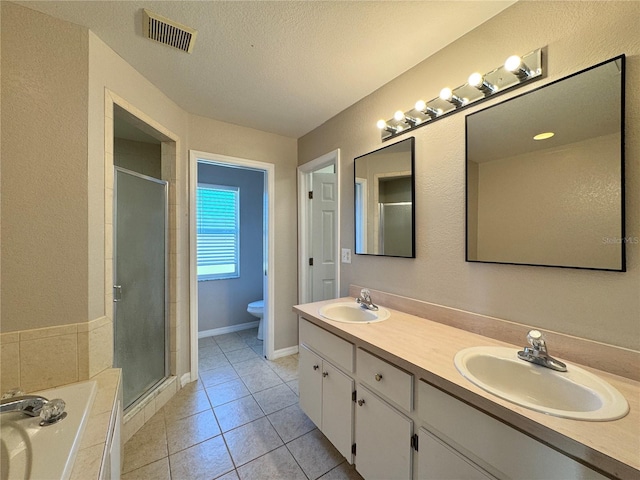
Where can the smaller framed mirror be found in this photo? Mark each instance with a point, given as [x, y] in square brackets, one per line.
[384, 201]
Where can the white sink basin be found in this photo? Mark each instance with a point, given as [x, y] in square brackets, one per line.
[576, 393]
[351, 312]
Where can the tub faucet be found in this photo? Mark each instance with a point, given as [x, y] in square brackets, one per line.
[50, 411]
[28, 404]
[537, 353]
[365, 300]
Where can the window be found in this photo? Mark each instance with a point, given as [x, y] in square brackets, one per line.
[218, 228]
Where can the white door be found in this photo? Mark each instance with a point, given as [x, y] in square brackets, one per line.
[324, 231]
[383, 439]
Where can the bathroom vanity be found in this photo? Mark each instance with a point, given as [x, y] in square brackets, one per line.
[389, 398]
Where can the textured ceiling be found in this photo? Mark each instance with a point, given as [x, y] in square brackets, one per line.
[284, 67]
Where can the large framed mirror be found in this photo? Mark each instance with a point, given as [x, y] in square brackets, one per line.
[384, 201]
[545, 174]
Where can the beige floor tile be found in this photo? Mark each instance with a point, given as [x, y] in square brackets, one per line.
[236, 413]
[188, 401]
[255, 365]
[186, 432]
[275, 398]
[218, 375]
[229, 476]
[147, 445]
[240, 355]
[315, 454]
[291, 423]
[276, 465]
[158, 470]
[251, 441]
[293, 385]
[258, 381]
[344, 471]
[227, 392]
[203, 461]
[213, 361]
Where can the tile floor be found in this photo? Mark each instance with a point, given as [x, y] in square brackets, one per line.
[240, 420]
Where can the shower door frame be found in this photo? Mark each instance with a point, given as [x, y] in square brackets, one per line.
[167, 349]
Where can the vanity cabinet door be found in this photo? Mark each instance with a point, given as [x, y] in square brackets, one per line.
[438, 461]
[383, 439]
[337, 409]
[310, 385]
[326, 398]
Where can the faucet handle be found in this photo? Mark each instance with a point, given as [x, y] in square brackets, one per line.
[52, 411]
[536, 339]
[365, 293]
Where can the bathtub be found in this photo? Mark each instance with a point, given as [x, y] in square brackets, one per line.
[29, 451]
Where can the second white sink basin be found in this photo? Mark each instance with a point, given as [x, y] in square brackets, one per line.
[576, 394]
[351, 312]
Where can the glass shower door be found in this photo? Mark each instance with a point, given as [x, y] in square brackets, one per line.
[140, 259]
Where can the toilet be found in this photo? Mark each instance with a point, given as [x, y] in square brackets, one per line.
[257, 310]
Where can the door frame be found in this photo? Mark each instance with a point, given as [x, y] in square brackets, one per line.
[304, 221]
[269, 254]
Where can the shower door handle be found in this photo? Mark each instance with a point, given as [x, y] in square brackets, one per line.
[117, 293]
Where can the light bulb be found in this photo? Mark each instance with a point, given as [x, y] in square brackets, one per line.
[398, 116]
[512, 63]
[446, 94]
[420, 105]
[381, 124]
[544, 136]
[475, 79]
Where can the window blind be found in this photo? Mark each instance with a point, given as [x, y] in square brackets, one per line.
[218, 230]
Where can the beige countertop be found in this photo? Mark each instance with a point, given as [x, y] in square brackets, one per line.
[427, 349]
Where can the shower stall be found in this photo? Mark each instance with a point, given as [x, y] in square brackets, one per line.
[140, 282]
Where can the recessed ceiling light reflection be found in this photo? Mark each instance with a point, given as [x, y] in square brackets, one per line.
[544, 136]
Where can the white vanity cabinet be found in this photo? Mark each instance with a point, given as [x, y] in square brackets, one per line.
[483, 446]
[326, 393]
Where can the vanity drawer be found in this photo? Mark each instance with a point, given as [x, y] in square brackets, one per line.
[387, 379]
[495, 446]
[330, 346]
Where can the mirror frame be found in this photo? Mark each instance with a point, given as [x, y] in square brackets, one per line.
[411, 141]
[622, 59]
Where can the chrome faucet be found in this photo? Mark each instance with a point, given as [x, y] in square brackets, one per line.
[537, 353]
[50, 411]
[365, 300]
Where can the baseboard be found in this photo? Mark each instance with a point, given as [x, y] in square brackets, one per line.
[184, 379]
[230, 329]
[284, 352]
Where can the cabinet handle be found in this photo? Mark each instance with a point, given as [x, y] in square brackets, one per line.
[378, 377]
[361, 402]
[325, 374]
[315, 367]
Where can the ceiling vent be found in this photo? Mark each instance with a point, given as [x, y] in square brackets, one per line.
[161, 29]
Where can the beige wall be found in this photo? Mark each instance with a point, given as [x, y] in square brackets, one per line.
[212, 136]
[598, 305]
[44, 170]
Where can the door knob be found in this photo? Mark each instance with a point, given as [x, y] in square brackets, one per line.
[378, 377]
[325, 374]
[315, 367]
[361, 402]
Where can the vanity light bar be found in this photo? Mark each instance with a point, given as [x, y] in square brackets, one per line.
[515, 72]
